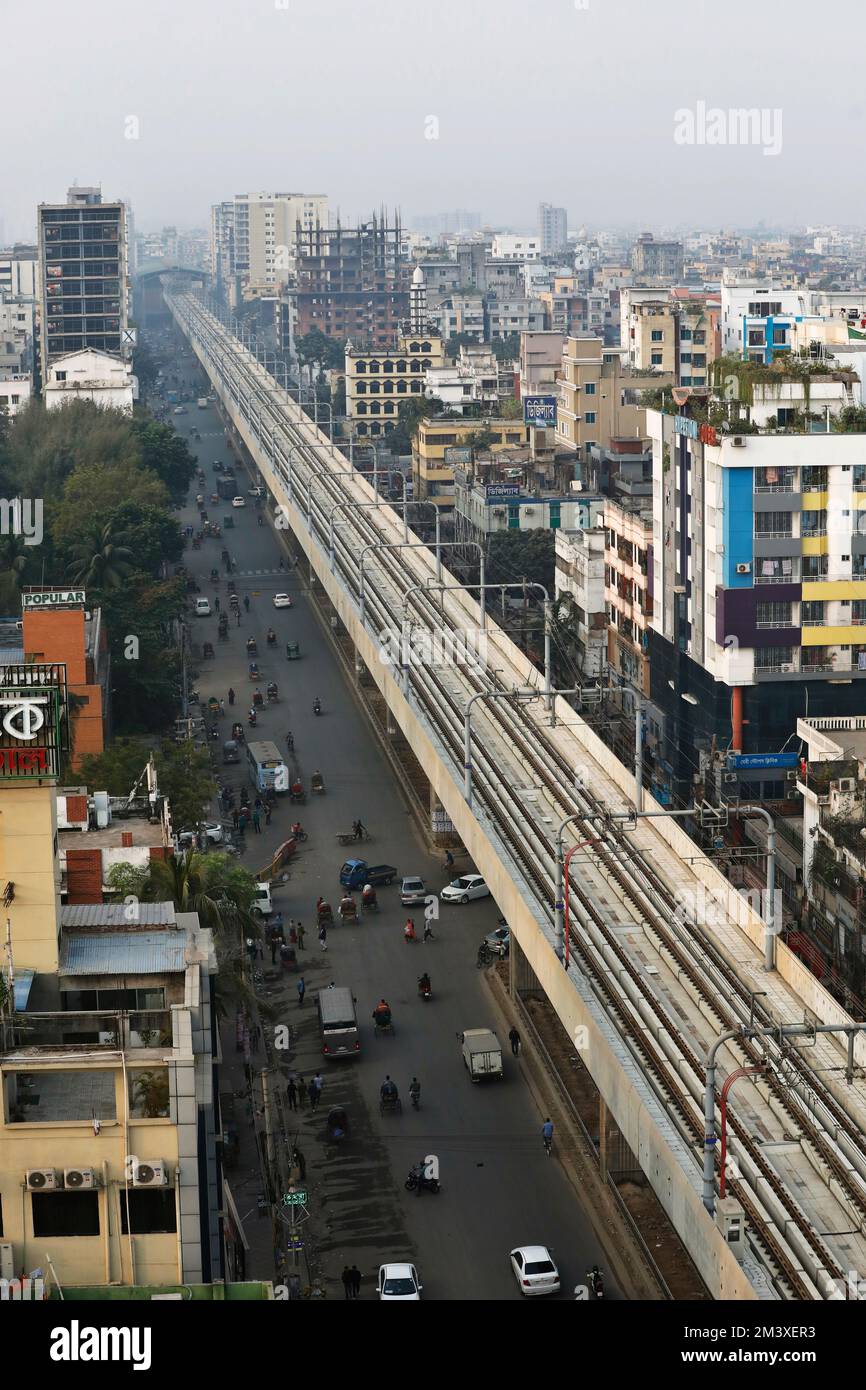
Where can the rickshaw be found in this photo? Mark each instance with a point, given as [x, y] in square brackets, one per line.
[238, 733]
[254, 671]
[224, 556]
[199, 473]
[288, 957]
[349, 910]
[324, 915]
[296, 791]
[317, 782]
[213, 707]
[338, 1124]
[196, 541]
[252, 649]
[214, 576]
[207, 650]
[258, 699]
[199, 501]
[235, 602]
[293, 651]
[216, 530]
[223, 627]
[382, 1022]
[215, 497]
[231, 586]
[273, 693]
[271, 637]
[229, 523]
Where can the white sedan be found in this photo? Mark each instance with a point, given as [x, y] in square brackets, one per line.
[464, 889]
[282, 600]
[534, 1270]
[398, 1284]
[239, 502]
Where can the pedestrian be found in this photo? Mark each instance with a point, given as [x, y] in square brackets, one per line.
[292, 1094]
[231, 696]
[268, 814]
[302, 1090]
[428, 930]
[238, 616]
[274, 944]
[257, 821]
[222, 706]
[258, 803]
[300, 937]
[514, 1039]
[302, 989]
[247, 602]
[242, 823]
[347, 1281]
[282, 567]
[323, 937]
[319, 1085]
[313, 1097]
[356, 1281]
[217, 603]
[251, 948]
[293, 935]
[260, 949]
[236, 815]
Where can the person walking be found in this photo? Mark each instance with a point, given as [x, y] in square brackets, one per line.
[275, 941]
[319, 1085]
[236, 815]
[428, 931]
[514, 1039]
[300, 937]
[302, 1090]
[238, 616]
[267, 813]
[323, 937]
[247, 602]
[347, 1281]
[313, 1096]
[356, 1281]
[217, 603]
[257, 821]
[242, 823]
[292, 1094]
[302, 989]
[231, 696]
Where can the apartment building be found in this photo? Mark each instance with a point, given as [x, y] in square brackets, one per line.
[759, 584]
[502, 492]
[376, 384]
[350, 282]
[599, 396]
[88, 375]
[472, 380]
[580, 580]
[668, 334]
[441, 444]
[552, 229]
[627, 590]
[83, 277]
[540, 362]
[19, 272]
[15, 394]
[515, 248]
[504, 317]
[661, 260]
[253, 239]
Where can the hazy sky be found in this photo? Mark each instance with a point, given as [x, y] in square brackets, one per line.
[535, 99]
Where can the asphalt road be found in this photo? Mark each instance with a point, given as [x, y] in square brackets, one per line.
[499, 1189]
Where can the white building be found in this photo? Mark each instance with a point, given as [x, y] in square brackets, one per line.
[552, 229]
[472, 379]
[253, 236]
[516, 248]
[580, 577]
[15, 394]
[19, 272]
[89, 375]
[507, 316]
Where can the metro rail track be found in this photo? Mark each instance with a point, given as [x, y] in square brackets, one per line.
[795, 1256]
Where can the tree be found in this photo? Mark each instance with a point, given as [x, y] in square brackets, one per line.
[151, 533]
[151, 1091]
[516, 555]
[14, 558]
[183, 772]
[459, 340]
[851, 420]
[46, 446]
[98, 561]
[316, 349]
[194, 883]
[93, 492]
[164, 452]
[506, 349]
[510, 409]
[409, 414]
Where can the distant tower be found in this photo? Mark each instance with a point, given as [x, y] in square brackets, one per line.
[418, 302]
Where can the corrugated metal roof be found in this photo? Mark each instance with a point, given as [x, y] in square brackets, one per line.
[116, 915]
[124, 953]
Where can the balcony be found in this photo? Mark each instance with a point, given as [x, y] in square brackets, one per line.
[774, 536]
[96, 1029]
[813, 531]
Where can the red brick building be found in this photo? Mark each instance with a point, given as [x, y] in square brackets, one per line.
[58, 626]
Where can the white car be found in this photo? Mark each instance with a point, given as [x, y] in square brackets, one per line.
[413, 892]
[398, 1284]
[464, 889]
[239, 502]
[212, 829]
[256, 492]
[534, 1270]
[282, 600]
[202, 608]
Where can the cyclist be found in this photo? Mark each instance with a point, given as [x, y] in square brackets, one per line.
[547, 1134]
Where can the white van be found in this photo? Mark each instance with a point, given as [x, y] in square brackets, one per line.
[338, 1022]
[202, 608]
[262, 905]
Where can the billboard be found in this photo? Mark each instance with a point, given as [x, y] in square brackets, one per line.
[457, 456]
[539, 410]
[496, 491]
[33, 720]
[762, 760]
[53, 598]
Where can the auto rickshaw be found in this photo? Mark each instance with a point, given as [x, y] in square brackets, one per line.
[213, 706]
[293, 651]
[215, 497]
[252, 649]
[273, 693]
[254, 671]
[238, 733]
[338, 1124]
[229, 522]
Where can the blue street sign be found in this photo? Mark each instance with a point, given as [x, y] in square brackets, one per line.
[539, 410]
[763, 760]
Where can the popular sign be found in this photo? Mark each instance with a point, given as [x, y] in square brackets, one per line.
[539, 410]
[53, 598]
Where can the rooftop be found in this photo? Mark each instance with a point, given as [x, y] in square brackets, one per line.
[107, 915]
[124, 953]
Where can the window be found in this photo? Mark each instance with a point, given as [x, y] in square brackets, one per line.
[657, 335]
[685, 335]
[772, 523]
[756, 337]
[401, 388]
[773, 658]
[360, 366]
[814, 480]
[812, 614]
[589, 417]
[815, 566]
[656, 359]
[361, 388]
[699, 337]
[387, 366]
[589, 388]
[150, 1213]
[814, 523]
[773, 615]
[554, 515]
[780, 336]
[416, 387]
[65, 1213]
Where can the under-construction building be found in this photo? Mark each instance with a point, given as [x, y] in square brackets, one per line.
[349, 282]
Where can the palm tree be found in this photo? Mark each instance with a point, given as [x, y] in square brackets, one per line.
[151, 1091]
[183, 880]
[99, 561]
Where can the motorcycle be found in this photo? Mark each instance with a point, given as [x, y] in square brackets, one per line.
[317, 707]
[595, 1281]
[298, 833]
[251, 719]
[425, 990]
[416, 1181]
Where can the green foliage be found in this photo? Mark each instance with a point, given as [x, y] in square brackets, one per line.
[316, 349]
[165, 453]
[510, 409]
[183, 774]
[97, 560]
[459, 340]
[128, 880]
[516, 555]
[92, 494]
[409, 414]
[851, 420]
[506, 349]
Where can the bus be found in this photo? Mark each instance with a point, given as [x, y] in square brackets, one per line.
[268, 772]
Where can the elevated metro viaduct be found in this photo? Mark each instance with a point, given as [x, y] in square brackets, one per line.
[664, 954]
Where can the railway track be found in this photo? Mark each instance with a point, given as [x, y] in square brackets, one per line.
[797, 1259]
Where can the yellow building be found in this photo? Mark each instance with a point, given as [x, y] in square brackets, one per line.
[599, 396]
[442, 442]
[377, 382]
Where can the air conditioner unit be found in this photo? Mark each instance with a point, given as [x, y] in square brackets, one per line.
[41, 1179]
[498, 511]
[791, 775]
[744, 569]
[153, 1174]
[730, 777]
[787, 669]
[7, 1262]
[529, 511]
[847, 784]
[738, 441]
[77, 1179]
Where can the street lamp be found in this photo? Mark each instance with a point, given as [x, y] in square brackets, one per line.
[522, 695]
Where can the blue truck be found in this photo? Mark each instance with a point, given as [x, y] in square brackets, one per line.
[356, 872]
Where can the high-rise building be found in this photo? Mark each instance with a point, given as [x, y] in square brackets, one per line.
[552, 229]
[83, 278]
[662, 260]
[253, 238]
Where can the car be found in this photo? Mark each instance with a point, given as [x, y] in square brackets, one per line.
[202, 608]
[534, 1270]
[413, 892]
[499, 941]
[256, 492]
[398, 1284]
[464, 889]
[239, 502]
[180, 410]
[212, 829]
[282, 600]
